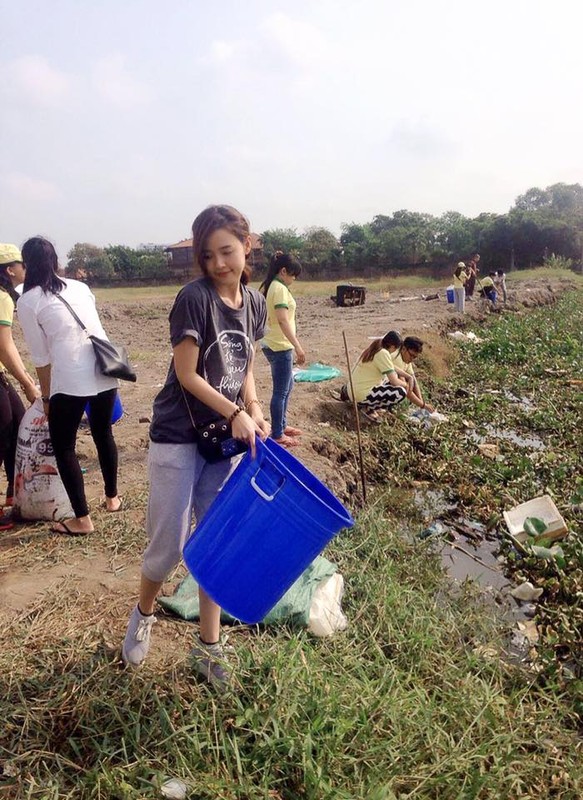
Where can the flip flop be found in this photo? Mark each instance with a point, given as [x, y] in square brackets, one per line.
[115, 510]
[64, 529]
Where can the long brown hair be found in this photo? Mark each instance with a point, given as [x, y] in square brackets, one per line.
[390, 339]
[213, 219]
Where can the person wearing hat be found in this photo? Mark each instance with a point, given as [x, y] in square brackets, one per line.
[460, 277]
[11, 407]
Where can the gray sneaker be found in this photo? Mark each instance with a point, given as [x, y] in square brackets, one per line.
[137, 640]
[210, 661]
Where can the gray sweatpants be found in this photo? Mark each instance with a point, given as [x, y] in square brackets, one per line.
[181, 482]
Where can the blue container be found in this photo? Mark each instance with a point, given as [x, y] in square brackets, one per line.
[449, 294]
[117, 412]
[272, 518]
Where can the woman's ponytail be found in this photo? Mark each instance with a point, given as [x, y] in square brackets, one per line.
[278, 261]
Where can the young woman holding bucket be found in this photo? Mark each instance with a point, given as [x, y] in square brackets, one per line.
[66, 368]
[11, 407]
[280, 341]
[214, 324]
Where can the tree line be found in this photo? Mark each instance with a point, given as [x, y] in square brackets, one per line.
[543, 226]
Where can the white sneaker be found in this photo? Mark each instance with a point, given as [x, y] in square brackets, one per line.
[211, 662]
[137, 639]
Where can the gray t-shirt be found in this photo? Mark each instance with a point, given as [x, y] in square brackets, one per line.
[225, 337]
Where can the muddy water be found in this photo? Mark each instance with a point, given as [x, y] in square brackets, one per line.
[466, 558]
[529, 441]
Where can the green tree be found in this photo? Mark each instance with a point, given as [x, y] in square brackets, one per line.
[286, 239]
[321, 250]
[125, 260]
[89, 259]
[454, 236]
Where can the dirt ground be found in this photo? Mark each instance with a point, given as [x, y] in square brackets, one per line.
[143, 327]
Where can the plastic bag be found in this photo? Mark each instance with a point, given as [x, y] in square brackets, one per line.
[429, 419]
[38, 490]
[316, 372]
[326, 615]
[313, 601]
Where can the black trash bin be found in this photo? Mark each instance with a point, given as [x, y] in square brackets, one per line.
[349, 295]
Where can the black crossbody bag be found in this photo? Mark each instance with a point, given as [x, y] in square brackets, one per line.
[214, 440]
[112, 360]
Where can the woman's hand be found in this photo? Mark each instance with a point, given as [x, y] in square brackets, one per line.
[31, 391]
[264, 427]
[300, 356]
[245, 429]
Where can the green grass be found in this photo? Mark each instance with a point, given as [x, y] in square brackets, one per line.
[416, 700]
[543, 272]
[328, 287]
[403, 705]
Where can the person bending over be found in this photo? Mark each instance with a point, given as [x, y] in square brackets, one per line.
[377, 386]
[403, 359]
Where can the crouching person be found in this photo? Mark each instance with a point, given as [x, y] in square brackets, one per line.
[377, 386]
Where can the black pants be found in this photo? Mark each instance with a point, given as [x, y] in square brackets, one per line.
[11, 412]
[65, 412]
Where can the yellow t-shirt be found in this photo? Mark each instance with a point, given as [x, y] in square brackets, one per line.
[458, 282]
[279, 296]
[368, 374]
[487, 282]
[398, 363]
[6, 314]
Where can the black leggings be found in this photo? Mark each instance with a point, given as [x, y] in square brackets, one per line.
[65, 412]
[11, 412]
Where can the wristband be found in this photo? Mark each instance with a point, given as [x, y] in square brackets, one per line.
[45, 399]
[234, 414]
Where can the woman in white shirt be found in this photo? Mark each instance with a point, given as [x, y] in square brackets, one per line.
[69, 378]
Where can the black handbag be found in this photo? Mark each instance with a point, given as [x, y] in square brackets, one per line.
[112, 359]
[215, 440]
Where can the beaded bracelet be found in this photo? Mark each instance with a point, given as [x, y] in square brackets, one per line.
[250, 403]
[234, 414]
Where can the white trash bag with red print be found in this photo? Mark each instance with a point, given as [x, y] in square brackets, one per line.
[38, 490]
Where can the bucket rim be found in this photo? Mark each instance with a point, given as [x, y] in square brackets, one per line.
[331, 502]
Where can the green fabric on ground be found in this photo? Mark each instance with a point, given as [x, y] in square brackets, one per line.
[293, 608]
[316, 372]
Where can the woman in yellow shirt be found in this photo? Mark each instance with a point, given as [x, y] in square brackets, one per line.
[280, 342]
[374, 378]
[11, 408]
[460, 277]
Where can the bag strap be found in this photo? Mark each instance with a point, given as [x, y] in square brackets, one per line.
[186, 404]
[62, 299]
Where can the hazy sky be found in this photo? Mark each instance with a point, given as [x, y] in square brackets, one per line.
[121, 119]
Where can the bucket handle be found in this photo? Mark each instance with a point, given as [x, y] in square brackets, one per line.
[261, 493]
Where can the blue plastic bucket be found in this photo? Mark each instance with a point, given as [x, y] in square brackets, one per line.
[450, 294]
[271, 519]
[117, 412]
